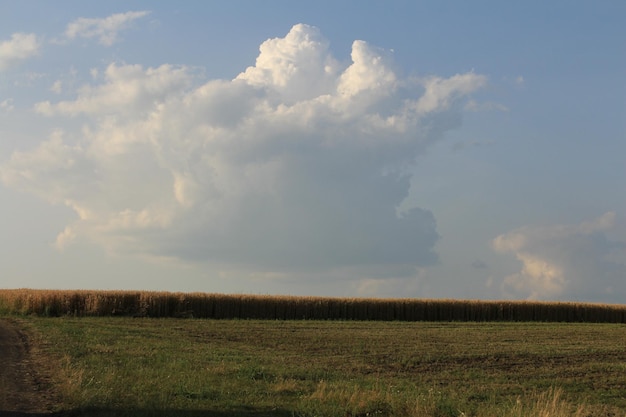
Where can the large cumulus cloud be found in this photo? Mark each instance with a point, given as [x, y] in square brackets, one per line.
[298, 162]
[566, 261]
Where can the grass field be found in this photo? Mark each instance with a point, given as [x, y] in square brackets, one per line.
[220, 368]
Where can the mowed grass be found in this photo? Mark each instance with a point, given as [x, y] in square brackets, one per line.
[192, 367]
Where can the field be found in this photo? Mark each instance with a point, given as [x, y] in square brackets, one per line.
[222, 306]
[221, 368]
[128, 353]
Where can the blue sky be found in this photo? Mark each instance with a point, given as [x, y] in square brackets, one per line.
[386, 149]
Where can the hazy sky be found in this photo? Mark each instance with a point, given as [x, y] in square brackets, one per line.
[389, 149]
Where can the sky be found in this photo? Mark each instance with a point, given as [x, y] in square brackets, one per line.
[466, 150]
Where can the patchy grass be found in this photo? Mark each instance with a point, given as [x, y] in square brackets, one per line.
[141, 366]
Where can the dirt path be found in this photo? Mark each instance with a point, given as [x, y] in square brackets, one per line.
[25, 390]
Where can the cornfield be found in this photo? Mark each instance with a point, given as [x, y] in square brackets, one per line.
[54, 303]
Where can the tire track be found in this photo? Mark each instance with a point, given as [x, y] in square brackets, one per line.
[24, 389]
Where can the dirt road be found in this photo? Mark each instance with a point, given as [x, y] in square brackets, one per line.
[25, 389]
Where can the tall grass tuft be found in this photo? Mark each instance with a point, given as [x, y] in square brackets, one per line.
[547, 404]
[328, 400]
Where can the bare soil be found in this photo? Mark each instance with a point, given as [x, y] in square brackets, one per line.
[26, 389]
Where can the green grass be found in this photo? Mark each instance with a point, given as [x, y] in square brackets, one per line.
[124, 366]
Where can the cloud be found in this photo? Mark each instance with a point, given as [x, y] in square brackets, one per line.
[566, 261]
[478, 264]
[297, 66]
[21, 46]
[461, 146]
[127, 90]
[7, 105]
[473, 105]
[57, 87]
[442, 92]
[299, 163]
[105, 29]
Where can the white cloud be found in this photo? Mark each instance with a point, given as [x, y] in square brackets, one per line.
[127, 90]
[21, 46]
[297, 66]
[27, 79]
[442, 92]
[473, 105]
[297, 163]
[7, 105]
[57, 87]
[62, 164]
[566, 261]
[105, 29]
[370, 72]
